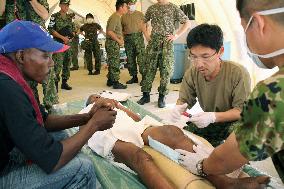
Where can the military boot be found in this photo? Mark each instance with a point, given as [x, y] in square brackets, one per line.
[97, 72]
[161, 101]
[117, 85]
[133, 80]
[109, 83]
[91, 73]
[64, 85]
[145, 98]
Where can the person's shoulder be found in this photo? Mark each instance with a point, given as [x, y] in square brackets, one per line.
[276, 79]
[112, 17]
[153, 7]
[97, 25]
[173, 6]
[139, 13]
[235, 67]
[8, 86]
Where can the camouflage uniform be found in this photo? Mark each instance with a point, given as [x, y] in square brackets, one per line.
[133, 41]
[64, 25]
[26, 12]
[112, 48]
[92, 45]
[159, 52]
[262, 132]
[113, 59]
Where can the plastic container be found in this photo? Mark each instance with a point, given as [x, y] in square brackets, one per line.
[179, 62]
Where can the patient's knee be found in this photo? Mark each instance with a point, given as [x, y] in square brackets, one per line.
[170, 130]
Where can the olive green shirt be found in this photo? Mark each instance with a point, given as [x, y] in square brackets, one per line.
[228, 90]
[114, 24]
[131, 22]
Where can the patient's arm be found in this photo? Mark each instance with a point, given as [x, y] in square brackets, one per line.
[98, 99]
[131, 114]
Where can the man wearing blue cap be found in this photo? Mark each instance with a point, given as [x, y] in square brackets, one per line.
[35, 11]
[25, 52]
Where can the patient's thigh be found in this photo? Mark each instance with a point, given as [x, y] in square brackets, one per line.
[169, 135]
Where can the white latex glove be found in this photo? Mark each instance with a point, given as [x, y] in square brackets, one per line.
[189, 160]
[203, 119]
[176, 112]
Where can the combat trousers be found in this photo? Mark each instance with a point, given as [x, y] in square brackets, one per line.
[113, 59]
[159, 54]
[93, 47]
[62, 63]
[135, 51]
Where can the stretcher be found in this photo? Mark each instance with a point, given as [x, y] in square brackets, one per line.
[110, 176]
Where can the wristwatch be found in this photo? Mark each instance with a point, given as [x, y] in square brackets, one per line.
[199, 168]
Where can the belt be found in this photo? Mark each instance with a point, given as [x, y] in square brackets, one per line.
[129, 34]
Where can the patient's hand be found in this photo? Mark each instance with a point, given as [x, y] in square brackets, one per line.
[103, 103]
[103, 118]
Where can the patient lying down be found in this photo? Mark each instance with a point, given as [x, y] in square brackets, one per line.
[123, 142]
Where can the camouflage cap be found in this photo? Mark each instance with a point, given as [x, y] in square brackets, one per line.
[64, 2]
[132, 1]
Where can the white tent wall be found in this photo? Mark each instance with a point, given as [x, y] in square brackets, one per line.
[220, 12]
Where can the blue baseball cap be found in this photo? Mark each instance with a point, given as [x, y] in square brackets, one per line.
[19, 35]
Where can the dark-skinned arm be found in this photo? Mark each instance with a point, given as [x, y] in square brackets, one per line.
[59, 122]
[101, 120]
[225, 158]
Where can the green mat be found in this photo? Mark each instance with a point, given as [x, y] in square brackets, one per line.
[112, 177]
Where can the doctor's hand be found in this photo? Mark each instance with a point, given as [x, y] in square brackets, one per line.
[203, 119]
[189, 160]
[176, 112]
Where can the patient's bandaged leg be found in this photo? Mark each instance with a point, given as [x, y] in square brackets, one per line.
[124, 129]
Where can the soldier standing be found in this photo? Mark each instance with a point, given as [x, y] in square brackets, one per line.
[133, 40]
[113, 42]
[36, 11]
[91, 30]
[62, 28]
[159, 52]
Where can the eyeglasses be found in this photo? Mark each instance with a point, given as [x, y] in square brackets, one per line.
[194, 58]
